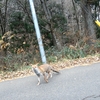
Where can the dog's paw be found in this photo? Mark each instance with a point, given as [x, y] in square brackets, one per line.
[38, 83]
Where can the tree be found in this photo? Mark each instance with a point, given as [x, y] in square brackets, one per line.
[3, 16]
[3, 24]
[55, 36]
[87, 15]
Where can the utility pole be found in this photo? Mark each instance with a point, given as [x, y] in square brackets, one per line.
[38, 34]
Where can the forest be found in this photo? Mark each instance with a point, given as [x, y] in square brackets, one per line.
[68, 29]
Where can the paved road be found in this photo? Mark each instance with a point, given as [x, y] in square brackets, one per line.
[78, 83]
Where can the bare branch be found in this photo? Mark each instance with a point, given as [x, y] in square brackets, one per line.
[25, 9]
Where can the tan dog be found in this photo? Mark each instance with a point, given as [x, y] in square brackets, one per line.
[43, 69]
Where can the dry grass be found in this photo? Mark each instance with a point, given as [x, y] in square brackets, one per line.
[60, 65]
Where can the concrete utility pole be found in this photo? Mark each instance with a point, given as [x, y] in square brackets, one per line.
[42, 52]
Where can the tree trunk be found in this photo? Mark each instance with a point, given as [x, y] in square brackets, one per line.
[73, 2]
[56, 39]
[3, 18]
[88, 21]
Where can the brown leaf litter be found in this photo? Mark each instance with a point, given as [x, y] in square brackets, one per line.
[58, 65]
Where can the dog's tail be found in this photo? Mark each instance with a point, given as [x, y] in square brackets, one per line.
[55, 71]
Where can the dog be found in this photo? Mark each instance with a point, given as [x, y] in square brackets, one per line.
[42, 70]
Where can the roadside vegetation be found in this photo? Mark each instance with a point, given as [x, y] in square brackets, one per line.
[70, 36]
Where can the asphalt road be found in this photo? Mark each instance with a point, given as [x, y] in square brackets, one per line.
[78, 83]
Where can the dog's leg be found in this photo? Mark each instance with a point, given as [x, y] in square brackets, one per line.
[49, 75]
[38, 81]
[45, 77]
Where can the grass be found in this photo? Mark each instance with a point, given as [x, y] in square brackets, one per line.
[21, 62]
